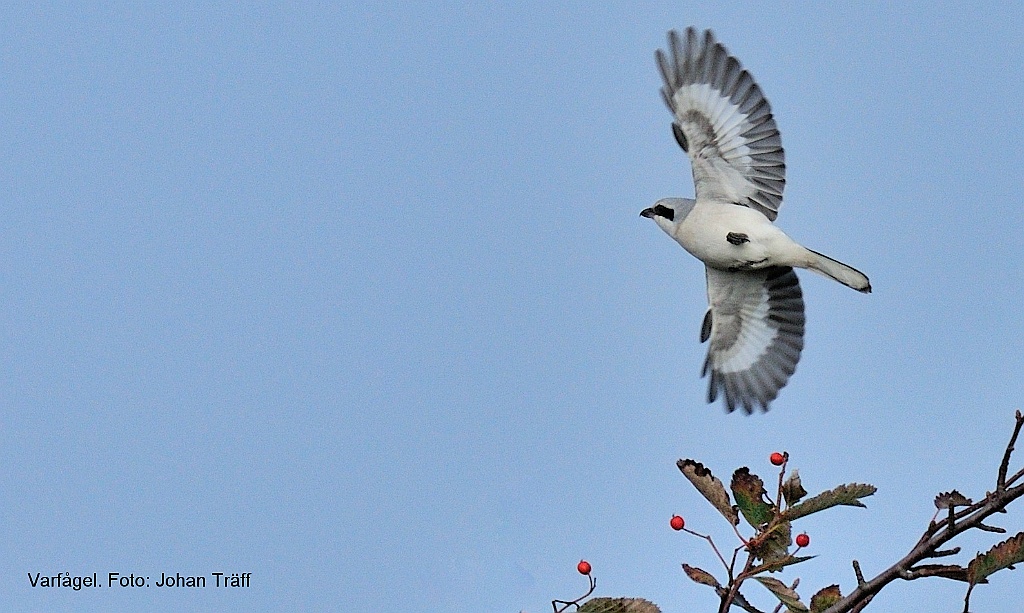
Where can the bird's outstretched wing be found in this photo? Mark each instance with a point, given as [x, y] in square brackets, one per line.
[756, 329]
[724, 123]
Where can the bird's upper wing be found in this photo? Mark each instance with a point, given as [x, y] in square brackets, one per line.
[756, 329]
[724, 123]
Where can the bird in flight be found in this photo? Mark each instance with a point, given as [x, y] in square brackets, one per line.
[755, 317]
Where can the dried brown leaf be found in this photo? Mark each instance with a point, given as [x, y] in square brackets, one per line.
[710, 487]
[619, 605]
[949, 500]
[700, 576]
[784, 593]
[792, 489]
[1003, 555]
[825, 598]
[773, 547]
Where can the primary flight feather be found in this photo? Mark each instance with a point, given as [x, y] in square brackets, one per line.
[755, 317]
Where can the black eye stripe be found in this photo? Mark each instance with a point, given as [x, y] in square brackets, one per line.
[664, 211]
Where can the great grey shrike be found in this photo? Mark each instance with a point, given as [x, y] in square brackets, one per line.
[755, 317]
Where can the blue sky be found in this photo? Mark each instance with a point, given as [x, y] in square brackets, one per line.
[356, 298]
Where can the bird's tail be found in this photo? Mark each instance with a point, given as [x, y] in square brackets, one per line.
[833, 269]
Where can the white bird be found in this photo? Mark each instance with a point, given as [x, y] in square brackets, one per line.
[755, 317]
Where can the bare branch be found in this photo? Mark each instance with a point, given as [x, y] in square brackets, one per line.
[967, 599]
[782, 473]
[567, 603]
[1005, 465]
[574, 603]
[734, 588]
[941, 553]
[988, 528]
[938, 534]
[1017, 475]
[948, 571]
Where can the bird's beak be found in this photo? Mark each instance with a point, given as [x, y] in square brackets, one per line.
[648, 212]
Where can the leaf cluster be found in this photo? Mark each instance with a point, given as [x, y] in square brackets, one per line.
[769, 550]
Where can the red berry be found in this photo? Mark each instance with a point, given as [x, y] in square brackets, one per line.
[777, 459]
[583, 567]
[802, 540]
[677, 522]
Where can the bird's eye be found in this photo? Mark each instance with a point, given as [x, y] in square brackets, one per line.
[663, 211]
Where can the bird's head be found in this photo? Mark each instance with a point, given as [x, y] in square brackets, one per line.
[668, 213]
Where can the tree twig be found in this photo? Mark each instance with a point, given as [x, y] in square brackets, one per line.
[939, 533]
[575, 603]
[1005, 465]
[734, 586]
[707, 537]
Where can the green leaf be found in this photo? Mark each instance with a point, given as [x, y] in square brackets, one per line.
[750, 497]
[792, 490]
[1003, 555]
[779, 564]
[710, 487]
[700, 576]
[846, 495]
[784, 593]
[825, 598]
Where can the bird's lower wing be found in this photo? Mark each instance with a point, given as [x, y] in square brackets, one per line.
[756, 333]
